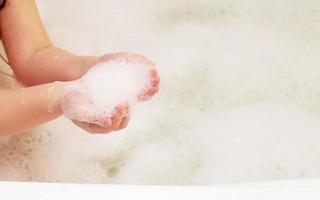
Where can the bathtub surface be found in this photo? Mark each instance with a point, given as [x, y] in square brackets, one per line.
[239, 99]
[274, 190]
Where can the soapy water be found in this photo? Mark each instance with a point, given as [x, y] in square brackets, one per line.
[95, 96]
[239, 99]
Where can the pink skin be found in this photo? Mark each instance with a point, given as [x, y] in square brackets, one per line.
[149, 92]
[121, 115]
[117, 121]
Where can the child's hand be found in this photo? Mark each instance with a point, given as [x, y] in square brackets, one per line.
[119, 121]
[79, 106]
[35, 60]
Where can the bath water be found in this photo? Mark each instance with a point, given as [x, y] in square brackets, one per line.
[239, 99]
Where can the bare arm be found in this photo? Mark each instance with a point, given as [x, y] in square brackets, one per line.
[35, 61]
[26, 108]
[31, 54]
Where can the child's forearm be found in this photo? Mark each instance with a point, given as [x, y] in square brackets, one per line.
[25, 108]
[54, 64]
[31, 54]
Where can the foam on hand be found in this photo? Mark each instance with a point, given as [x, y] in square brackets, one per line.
[95, 96]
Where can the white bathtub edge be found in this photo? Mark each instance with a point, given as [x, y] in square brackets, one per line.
[294, 189]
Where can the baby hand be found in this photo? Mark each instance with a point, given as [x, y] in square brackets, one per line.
[119, 120]
[79, 102]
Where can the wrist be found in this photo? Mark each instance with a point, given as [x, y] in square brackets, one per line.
[56, 91]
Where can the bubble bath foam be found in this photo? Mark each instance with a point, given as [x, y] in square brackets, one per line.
[104, 87]
[239, 98]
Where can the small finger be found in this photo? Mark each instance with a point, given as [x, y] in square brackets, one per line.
[124, 122]
[118, 116]
[93, 128]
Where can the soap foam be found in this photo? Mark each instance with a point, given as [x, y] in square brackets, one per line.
[213, 55]
[103, 88]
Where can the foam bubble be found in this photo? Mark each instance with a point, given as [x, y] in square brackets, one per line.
[103, 88]
[186, 135]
